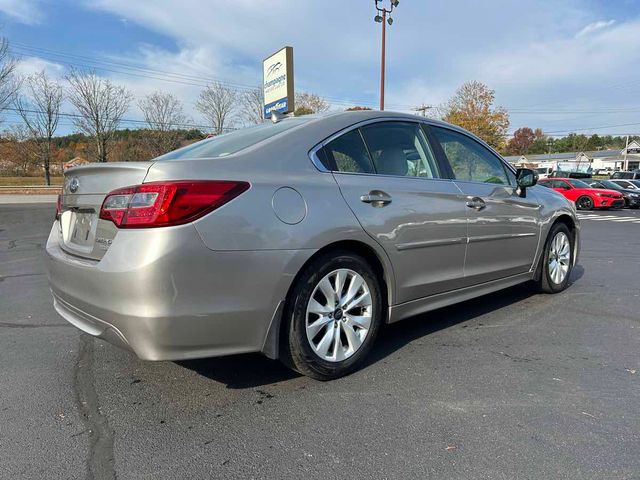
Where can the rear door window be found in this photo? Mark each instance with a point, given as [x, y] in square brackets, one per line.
[400, 149]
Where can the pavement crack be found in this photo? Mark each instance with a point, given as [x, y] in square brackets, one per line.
[20, 275]
[100, 457]
[32, 325]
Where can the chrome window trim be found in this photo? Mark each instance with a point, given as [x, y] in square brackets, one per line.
[313, 153]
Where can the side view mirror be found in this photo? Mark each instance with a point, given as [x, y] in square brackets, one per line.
[525, 178]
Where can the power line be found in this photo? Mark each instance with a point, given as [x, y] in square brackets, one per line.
[199, 80]
[124, 120]
[202, 81]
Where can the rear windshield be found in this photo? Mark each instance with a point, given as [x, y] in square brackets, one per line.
[233, 142]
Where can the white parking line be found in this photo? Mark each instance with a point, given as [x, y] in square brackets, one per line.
[608, 218]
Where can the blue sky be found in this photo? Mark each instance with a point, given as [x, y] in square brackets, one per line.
[562, 65]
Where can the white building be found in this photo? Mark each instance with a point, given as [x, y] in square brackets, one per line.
[609, 160]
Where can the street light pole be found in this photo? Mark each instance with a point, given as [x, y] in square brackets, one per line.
[382, 59]
[381, 17]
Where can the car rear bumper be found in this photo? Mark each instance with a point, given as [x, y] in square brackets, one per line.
[164, 295]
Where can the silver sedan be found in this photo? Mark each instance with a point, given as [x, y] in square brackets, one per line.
[299, 239]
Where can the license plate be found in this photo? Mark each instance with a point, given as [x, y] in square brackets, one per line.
[83, 229]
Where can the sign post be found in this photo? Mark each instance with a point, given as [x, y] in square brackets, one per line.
[278, 82]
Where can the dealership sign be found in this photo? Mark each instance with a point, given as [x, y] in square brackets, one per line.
[278, 82]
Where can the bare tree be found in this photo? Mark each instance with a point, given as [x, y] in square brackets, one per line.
[39, 108]
[252, 105]
[164, 114]
[100, 105]
[216, 103]
[8, 82]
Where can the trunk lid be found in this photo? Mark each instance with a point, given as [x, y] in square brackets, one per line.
[81, 232]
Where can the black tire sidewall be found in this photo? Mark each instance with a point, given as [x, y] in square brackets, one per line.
[592, 204]
[548, 284]
[303, 357]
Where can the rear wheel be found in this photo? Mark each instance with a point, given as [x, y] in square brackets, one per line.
[333, 316]
[584, 203]
[557, 260]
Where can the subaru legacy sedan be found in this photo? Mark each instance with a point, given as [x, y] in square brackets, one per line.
[299, 239]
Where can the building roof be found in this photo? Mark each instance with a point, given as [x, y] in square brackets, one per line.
[610, 155]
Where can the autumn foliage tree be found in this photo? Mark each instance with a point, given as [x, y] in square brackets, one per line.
[307, 103]
[521, 141]
[472, 109]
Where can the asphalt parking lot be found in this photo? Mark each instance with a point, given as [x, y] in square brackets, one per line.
[512, 385]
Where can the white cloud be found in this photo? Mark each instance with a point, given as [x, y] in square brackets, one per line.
[29, 65]
[536, 60]
[25, 11]
[594, 27]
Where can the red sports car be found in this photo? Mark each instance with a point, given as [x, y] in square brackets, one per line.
[584, 196]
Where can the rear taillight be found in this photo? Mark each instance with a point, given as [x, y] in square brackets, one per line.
[59, 207]
[162, 204]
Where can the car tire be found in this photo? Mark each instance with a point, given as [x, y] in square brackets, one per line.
[554, 257]
[332, 350]
[584, 203]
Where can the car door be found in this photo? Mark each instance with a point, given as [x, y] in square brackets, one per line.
[566, 189]
[504, 227]
[391, 180]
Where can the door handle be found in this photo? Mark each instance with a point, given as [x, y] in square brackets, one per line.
[476, 203]
[376, 198]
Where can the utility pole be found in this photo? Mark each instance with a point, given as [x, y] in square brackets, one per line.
[381, 17]
[626, 147]
[423, 109]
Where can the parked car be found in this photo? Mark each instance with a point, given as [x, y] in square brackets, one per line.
[544, 172]
[631, 196]
[563, 174]
[584, 196]
[299, 238]
[634, 175]
[626, 184]
[635, 182]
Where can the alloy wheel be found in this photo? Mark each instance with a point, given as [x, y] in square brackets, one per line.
[339, 315]
[559, 258]
[585, 203]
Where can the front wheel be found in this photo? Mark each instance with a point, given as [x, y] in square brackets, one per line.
[584, 203]
[557, 260]
[332, 316]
